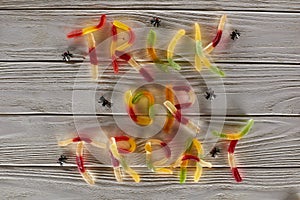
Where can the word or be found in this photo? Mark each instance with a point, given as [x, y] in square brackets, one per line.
[235, 35]
[67, 56]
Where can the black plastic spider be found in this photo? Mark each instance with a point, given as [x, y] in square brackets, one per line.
[214, 152]
[67, 56]
[210, 94]
[235, 35]
[155, 21]
[63, 159]
[104, 102]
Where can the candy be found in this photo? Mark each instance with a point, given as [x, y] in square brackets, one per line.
[171, 48]
[87, 30]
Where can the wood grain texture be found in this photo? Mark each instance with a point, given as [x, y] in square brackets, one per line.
[48, 87]
[36, 87]
[43, 33]
[32, 140]
[65, 183]
[234, 5]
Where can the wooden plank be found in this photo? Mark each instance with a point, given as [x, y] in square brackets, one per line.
[32, 140]
[66, 183]
[265, 37]
[48, 88]
[286, 5]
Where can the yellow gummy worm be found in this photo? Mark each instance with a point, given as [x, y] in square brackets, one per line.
[121, 25]
[236, 136]
[171, 47]
[93, 55]
[124, 27]
[198, 173]
[173, 43]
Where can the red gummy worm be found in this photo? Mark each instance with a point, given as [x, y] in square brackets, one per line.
[183, 105]
[80, 165]
[180, 118]
[236, 174]
[217, 39]
[132, 37]
[123, 56]
[232, 146]
[93, 56]
[181, 88]
[121, 138]
[114, 33]
[78, 139]
[190, 157]
[234, 169]
[146, 75]
[168, 150]
[80, 32]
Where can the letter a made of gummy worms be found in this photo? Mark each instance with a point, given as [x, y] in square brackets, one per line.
[234, 138]
[186, 156]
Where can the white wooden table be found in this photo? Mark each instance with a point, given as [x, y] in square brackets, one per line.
[263, 71]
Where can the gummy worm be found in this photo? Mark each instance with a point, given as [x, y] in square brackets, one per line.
[151, 40]
[127, 139]
[124, 27]
[113, 47]
[82, 139]
[150, 164]
[116, 167]
[89, 29]
[236, 136]
[80, 165]
[93, 55]
[181, 119]
[134, 99]
[171, 47]
[170, 119]
[200, 56]
[217, 38]
[231, 161]
[132, 62]
[114, 151]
